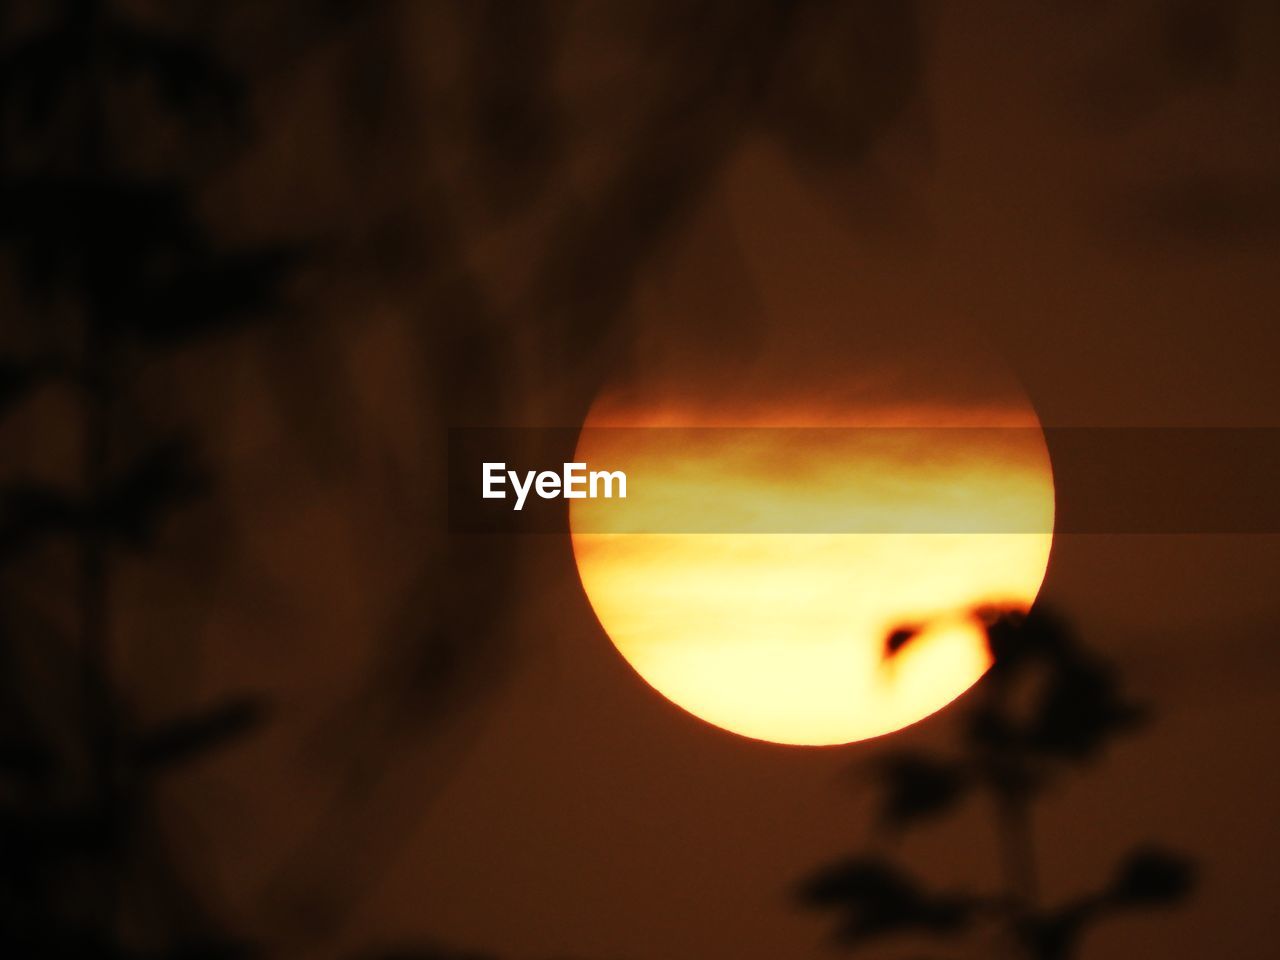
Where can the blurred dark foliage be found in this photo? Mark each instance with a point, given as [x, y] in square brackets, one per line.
[116, 268]
[694, 81]
[113, 266]
[888, 901]
[1047, 707]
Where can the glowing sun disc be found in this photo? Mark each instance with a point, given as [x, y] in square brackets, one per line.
[779, 636]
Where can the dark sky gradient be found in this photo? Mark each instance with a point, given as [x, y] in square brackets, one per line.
[456, 752]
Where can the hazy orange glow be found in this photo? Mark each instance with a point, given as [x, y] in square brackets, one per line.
[779, 635]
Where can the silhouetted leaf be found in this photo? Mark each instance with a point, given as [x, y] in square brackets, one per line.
[30, 511]
[16, 381]
[39, 70]
[1151, 876]
[213, 295]
[24, 759]
[898, 640]
[918, 787]
[137, 254]
[1081, 710]
[52, 835]
[1017, 638]
[1148, 877]
[1055, 934]
[43, 69]
[104, 236]
[1046, 697]
[875, 899]
[133, 506]
[190, 79]
[193, 737]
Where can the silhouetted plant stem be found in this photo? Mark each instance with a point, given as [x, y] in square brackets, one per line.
[1010, 749]
[95, 560]
[1017, 853]
[95, 621]
[82, 874]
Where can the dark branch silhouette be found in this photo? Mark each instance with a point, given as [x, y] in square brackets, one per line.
[1047, 707]
[114, 266]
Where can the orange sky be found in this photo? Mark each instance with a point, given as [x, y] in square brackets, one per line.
[1057, 185]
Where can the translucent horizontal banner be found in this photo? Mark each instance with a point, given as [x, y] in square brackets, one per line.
[945, 480]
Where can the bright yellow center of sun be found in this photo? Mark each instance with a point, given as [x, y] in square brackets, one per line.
[752, 575]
